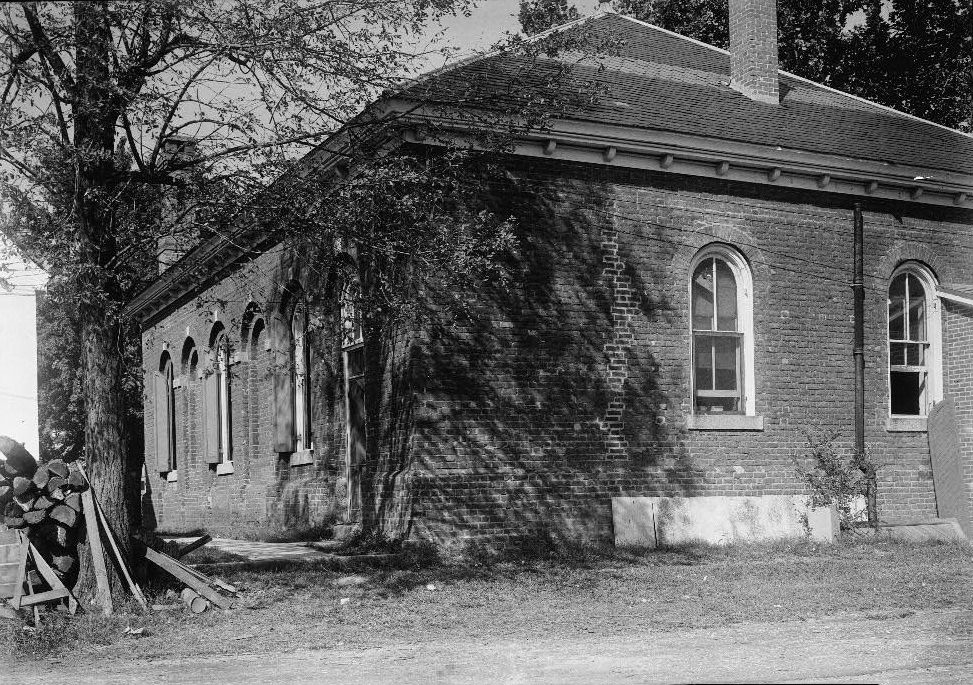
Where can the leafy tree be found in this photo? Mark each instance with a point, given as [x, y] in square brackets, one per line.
[704, 20]
[125, 127]
[536, 16]
[91, 93]
[928, 60]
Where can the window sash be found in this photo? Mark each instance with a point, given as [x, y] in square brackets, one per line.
[300, 361]
[910, 347]
[708, 340]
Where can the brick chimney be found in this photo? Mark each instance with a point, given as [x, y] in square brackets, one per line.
[753, 49]
[178, 231]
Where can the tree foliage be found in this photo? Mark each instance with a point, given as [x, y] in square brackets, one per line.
[92, 92]
[536, 16]
[126, 126]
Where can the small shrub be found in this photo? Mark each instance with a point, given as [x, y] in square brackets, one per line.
[420, 554]
[834, 476]
[371, 542]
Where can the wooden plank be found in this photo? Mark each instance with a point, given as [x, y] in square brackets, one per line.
[194, 545]
[47, 596]
[173, 567]
[30, 594]
[21, 573]
[47, 573]
[120, 558]
[211, 580]
[103, 593]
[952, 498]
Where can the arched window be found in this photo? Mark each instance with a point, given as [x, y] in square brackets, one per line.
[300, 367]
[914, 341]
[353, 353]
[721, 297]
[165, 415]
[218, 447]
[190, 359]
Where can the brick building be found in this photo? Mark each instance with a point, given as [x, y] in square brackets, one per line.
[684, 311]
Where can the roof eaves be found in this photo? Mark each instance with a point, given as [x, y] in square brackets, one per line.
[962, 294]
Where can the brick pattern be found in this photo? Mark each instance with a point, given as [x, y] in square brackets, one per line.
[263, 491]
[573, 385]
[753, 49]
[958, 360]
[519, 441]
[623, 311]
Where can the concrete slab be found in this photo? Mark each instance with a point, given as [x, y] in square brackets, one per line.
[942, 530]
[659, 521]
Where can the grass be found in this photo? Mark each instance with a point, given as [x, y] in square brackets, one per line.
[554, 591]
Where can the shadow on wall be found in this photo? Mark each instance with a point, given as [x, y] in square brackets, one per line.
[547, 400]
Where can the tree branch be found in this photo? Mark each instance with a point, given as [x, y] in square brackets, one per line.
[175, 105]
[47, 51]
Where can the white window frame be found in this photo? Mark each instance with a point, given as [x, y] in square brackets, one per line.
[934, 355]
[169, 373]
[352, 341]
[299, 380]
[221, 367]
[744, 280]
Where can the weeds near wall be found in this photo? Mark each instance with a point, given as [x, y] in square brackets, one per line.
[834, 475]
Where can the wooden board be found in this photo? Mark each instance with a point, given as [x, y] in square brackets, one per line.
[47, 573]
[11, 560]
[103, 594]
[119, 557]
[176, 569]
[952, 497]
[194, 545]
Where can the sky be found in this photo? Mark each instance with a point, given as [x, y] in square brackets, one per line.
[489, 21]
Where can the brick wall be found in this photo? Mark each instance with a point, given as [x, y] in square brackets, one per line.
[958, 360]
[264, 491]
[573, 385]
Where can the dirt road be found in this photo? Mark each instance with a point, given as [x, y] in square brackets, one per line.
[926, 647]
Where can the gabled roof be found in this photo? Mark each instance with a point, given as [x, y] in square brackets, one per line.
[662, 81]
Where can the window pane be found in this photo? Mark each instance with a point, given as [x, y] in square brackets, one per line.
[726, 363]
[897, 308]
[897, 354]
[906, 388]
[703, 356]
[356, 362]
[917, 309]
[703, 296]
[726, 297]
[916, 355]
[712, 405]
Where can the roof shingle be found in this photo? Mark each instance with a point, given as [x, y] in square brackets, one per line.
[661, 81]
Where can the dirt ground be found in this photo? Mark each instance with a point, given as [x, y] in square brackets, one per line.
[897, 647]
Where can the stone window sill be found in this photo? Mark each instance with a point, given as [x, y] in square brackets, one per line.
[302, 457]
[906, 424]
[224, 468]
[172, 476]
[724, 422]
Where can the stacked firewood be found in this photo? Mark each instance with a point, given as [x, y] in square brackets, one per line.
[45, 500]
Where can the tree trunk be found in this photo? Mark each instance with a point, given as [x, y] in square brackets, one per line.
[105, 448]
[98, 293]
